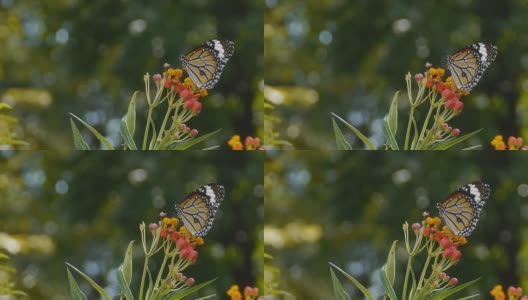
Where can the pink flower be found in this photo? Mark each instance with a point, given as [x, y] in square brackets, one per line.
[444, 243]
[453, 281]
[456, 131]
[153, 227]
[419, 77]
[157, 77]
[193, 133]
[189, 282]
[416, 227]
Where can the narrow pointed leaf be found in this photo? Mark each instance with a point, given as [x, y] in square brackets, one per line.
[186, 144]
[127, 263]
[75, 291]
[446, 293]
[387, 286]
[341, 142]
[339, 291]
[94, 284]
[391, 263]
[393, 114]
[389, 136]
[357, 132]
[125, 289]
[95, 132]
[176, 295]
[363, 289]
[126, 135]
[78, 141]
[450, 143]
[131, 114]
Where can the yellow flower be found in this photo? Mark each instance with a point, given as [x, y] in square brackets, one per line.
[234, 292]
[235, 143]
[433, 222]
[436, 73]
[178, 73]
[498, 142]
[203, 92]
[199, 241]
[170, 72]
[498, 293]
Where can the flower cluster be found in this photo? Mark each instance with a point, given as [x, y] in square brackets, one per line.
[249, 293]
[513, 293]
[514, 143]
[187, 90]
[181, 237]
[250, 143]
[441, 245]
[447, 89]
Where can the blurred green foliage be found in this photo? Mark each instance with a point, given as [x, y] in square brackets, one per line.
[85, 208]
[88, 57]
[348, 207]
[349, 57]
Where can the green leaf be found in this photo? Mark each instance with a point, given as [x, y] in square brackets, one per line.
[469, 297]
[357, 132]
[339, 291]
[391, 263]
[95, 132]
[389, 136]
[206, 297]
[127, 263]
[446, 293]
[188, 143]
[126, 135]
[476, 147]
[4, 106]
[131, 114]
[355, 282]
[267, 256]
[389, 290]
[92, 282]
[341, 142]
[450, 143]
[154, 135]
[179, 294]
[122, 282]
[75, 291]
[78, 140]
[393, 114]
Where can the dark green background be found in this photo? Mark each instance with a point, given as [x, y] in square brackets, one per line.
[359, 201]
[91, 224]
[357, 73]
[95, 70]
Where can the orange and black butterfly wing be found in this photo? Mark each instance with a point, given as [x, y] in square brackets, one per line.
[205, 63]
[461, 209]
[197, 211]
[468, 64]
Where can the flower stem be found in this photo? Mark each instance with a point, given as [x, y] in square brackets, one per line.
[426, 123]
[404, 295]
[162, 128]
[145, 266]
[147, 128]
[409, 127]
[419, 286]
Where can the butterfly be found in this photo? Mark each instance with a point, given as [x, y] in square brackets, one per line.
[468, 64]
[461, 209]
[198, 209]
[205, 63]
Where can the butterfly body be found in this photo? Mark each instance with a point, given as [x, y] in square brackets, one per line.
[468, 64]
[198, 209]
[205, 63]
[461, 209]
